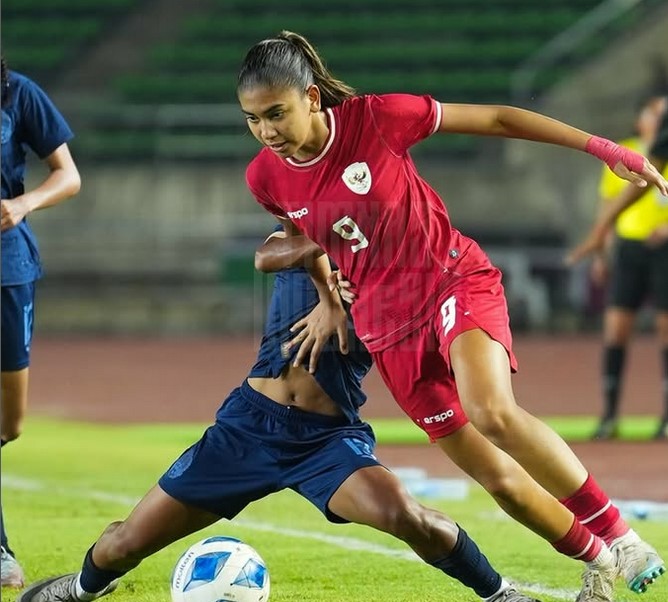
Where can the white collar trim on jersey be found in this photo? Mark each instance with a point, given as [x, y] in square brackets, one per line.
[328, 144]
[439, 116]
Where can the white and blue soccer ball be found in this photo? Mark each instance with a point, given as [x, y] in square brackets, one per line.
[220, 569]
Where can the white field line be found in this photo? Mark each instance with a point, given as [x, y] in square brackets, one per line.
[348, 543]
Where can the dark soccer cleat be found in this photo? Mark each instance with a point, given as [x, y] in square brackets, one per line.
[662, 432]
[607, 429]
[58, 589]
[510, 594]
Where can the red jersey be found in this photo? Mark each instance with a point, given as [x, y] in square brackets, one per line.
[362, 201]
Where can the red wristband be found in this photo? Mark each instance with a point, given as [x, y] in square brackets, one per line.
[611, 154]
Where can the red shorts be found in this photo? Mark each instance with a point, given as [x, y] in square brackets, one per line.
[417, 369]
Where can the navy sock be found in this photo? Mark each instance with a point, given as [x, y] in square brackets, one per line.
[469, 566]
[3, 535]
[93, 579]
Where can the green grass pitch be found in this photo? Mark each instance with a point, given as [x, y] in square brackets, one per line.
[63, 482]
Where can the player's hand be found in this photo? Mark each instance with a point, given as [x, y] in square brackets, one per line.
[593, 243]
[337, 282]
[599, 270]
[13, 212]
[328, 318]
[658, 237]
[649, 175]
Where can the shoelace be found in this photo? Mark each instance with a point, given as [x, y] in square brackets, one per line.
[591, 579]
[57, 592]
[510, 594]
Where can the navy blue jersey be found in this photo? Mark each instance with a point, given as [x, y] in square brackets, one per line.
[29, 121]
[340, 376]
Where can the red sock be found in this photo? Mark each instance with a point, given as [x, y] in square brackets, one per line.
[579, 543]
[593, 508]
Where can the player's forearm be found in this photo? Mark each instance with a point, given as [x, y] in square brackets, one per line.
[319, 271]
[519, 123]
[510, 122]
[282, 253]
[60, 184]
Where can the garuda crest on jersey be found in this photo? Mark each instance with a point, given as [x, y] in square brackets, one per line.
[357, 177]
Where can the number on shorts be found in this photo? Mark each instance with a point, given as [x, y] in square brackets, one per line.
[346, 228]
[448, 313]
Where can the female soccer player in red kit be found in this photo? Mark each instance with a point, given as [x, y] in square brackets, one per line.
[430, 306]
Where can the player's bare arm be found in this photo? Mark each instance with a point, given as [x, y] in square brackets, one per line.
[595, 239]
[328, 318]
[280, 252]
[512, 122]
[62, 182]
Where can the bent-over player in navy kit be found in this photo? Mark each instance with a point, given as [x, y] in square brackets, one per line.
[283, 428]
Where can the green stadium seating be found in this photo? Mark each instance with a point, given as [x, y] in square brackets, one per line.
[456, 50]
[443, 47]
[41, 45]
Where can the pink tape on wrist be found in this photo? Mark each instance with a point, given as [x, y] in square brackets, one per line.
[611, 154]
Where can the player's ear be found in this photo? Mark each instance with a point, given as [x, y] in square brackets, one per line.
[313, 95]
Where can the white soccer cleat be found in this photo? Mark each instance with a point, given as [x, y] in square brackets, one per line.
[637, 561]
[598, 583]
[11, 573]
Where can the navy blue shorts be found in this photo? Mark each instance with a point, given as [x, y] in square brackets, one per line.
[258, 447]
[17, 325]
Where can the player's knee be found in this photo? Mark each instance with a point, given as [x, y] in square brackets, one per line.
[123, 545]
[11, 432]
[505, 488]
[496, 419]
[406, 519]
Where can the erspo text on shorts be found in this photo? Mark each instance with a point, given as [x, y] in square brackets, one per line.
[442, 417]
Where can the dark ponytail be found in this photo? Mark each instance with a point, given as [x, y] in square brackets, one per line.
[290, 61]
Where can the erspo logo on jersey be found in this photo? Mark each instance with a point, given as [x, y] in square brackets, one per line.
[298, 214]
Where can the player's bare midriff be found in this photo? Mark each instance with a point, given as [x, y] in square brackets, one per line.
[297, 388]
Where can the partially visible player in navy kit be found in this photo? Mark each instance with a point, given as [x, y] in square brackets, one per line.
[30, 121]
[431, 307]
[282, 428]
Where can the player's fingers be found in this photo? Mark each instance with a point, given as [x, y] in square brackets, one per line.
[299, 338]
[299, 324]
[638, 181]
[657, 179]
[577, 254]
[315, 355]
[332, 281]
[303, 351]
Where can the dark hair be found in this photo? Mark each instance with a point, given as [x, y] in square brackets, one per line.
[290, 61]
[5, 82]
